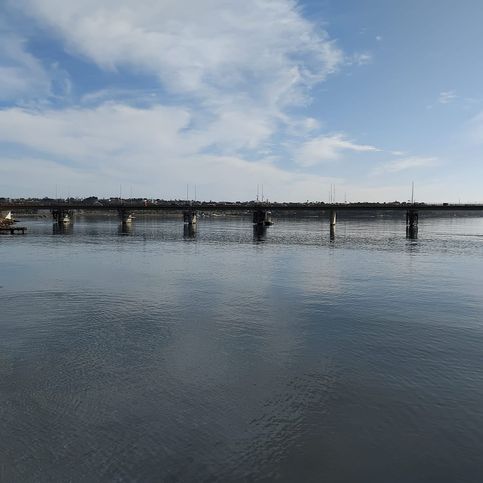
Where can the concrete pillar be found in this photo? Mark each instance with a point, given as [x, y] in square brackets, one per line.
[262, 217]
[190, 217]
[412, 218]
[333, 217]
[61, 215]
[56, 215]
[125, 215]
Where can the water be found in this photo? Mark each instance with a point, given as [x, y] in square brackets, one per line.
[155, 356]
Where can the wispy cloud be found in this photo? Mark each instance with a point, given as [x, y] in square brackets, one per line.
[360, 58]
[405, 164]
[445, 97]
[224, 77]
[215, 91]
[154, 150]
[204, 48]
[21, 74]
[328, 148]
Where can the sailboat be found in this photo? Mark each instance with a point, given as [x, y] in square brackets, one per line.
[7, 219]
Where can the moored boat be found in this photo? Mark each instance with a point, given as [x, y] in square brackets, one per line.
[7, 220]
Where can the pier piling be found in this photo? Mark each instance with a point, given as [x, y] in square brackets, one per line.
[125, 215]
[262, 217]
[333, 217]
[62, 215]
[412, 219]
[190, 217]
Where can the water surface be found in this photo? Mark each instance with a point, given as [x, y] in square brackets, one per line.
[226, 355]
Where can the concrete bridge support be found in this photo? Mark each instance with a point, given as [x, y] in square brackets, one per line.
[62, 216]
[412, 218]
[190, 217]
[333, 217]
[125, 215]
[262, 217]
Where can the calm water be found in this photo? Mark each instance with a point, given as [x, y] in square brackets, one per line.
[154, 356]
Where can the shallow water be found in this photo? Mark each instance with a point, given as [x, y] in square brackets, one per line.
[159, 355]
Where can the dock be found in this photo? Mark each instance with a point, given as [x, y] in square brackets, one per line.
[13, 229]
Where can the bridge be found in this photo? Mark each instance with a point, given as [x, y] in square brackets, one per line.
[63, 211]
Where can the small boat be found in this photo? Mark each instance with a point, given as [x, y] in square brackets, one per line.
[7, 219]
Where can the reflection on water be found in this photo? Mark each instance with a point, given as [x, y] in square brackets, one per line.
[332, 233]
[62, 228]
[412, 232]
[189, 231]
[126, 228]
[259, 233]
[143, 358]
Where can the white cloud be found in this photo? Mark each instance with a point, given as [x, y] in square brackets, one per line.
[445, 97]
[154, 150]
[360, 58]
[328, 148]
[21, 74]
[88, 135]
[409, 163]
[230, 70]
[206, 48]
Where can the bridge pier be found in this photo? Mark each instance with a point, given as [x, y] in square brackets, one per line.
[125, 215]
[62, 216]
[412, 218]
[190, 217]
[262, 217]
[333, 217]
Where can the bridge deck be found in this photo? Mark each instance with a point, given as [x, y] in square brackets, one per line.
[244, 206]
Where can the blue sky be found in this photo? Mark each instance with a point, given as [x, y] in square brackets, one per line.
[156, 94]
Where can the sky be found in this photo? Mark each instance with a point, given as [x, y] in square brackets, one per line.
[142, 98]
